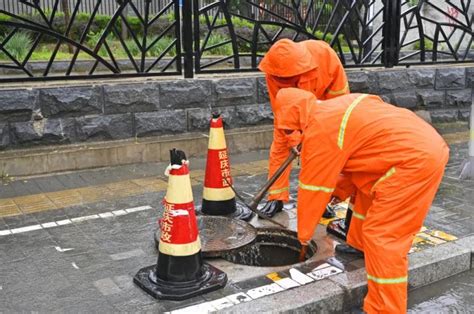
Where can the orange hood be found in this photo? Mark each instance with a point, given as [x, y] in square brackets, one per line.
[287, 58]
[294, 108]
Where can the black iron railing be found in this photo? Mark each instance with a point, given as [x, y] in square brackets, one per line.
[53, 43]
[57, 39]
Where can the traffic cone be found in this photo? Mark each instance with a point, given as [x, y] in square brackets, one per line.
[218, 197]
[180, 272]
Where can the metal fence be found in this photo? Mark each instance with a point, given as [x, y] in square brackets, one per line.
[87, 6]
[105, 38]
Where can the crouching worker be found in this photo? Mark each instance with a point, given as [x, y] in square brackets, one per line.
[395, 159]
[311, 65]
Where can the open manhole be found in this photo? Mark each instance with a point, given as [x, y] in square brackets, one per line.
[220, 235]
[272, 247]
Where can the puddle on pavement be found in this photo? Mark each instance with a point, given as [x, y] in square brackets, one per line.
[451, 295]
[272, 247]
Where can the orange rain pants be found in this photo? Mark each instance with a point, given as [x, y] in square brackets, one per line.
[395, 160]
[311, 65]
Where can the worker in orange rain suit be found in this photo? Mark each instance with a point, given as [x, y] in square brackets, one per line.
[395, 159]
[311, 65]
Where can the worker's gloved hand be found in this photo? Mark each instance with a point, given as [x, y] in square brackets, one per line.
[294, 138]
[272, 207]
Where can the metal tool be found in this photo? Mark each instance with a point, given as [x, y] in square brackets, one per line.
[294, 152]
[261, 193]
[256, 211]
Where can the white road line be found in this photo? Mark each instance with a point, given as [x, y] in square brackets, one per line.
[49, 225]
[84, 218]
[119, 212]
[74, 265]
[63, 222]
[59, 249]
[26, 229]
[106, 215]
[137, 209]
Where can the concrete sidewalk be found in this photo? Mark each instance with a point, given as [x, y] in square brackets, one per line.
[73, 242]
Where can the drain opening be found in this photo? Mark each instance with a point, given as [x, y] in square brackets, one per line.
[272, 247]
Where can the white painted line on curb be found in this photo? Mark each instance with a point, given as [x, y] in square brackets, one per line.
[199, 308]
[239, 298]
[222, 303]
[264, 290]
[324, 273]
[299, 277]
[287, 283]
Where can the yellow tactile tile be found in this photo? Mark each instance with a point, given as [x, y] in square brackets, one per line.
[8, 208]
[34, 203]
[124, 188]
[441, 235]
[65, 198]
[152, 184]
[197, 176]
[94, 193]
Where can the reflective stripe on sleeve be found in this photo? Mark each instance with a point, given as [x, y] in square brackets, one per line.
[339, 92]
[315, 188]
[387, 280]
[342, 127]
[278, 191]
[357, 215]
[387, 175]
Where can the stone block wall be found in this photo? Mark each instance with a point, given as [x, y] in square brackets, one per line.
[77, 114]
[445, 93]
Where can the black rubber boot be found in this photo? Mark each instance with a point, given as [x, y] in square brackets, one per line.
[346, 249]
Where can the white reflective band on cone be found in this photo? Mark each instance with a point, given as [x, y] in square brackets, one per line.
[217, 139]
[179, 189]
[180, 249]
[222, 194]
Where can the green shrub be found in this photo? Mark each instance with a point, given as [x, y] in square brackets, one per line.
[132, 47]
[19, 45]
[160, 46]
[428, 44]
[4, 29]
[215, 39]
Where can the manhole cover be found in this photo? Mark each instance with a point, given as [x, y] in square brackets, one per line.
[221, 234]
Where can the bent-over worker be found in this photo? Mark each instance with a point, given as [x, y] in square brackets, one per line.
[394, 159]
[311, 65]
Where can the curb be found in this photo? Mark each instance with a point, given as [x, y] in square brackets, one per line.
[346, 290]
[26, 162]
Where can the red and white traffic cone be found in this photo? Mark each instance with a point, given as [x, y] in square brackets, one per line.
[180, 272]
[218, 197]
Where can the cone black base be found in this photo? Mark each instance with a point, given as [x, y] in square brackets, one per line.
[218, 207]
[337, 228]
[210, 280]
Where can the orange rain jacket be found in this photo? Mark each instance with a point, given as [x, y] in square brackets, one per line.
[311, 65]
[396, 162]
